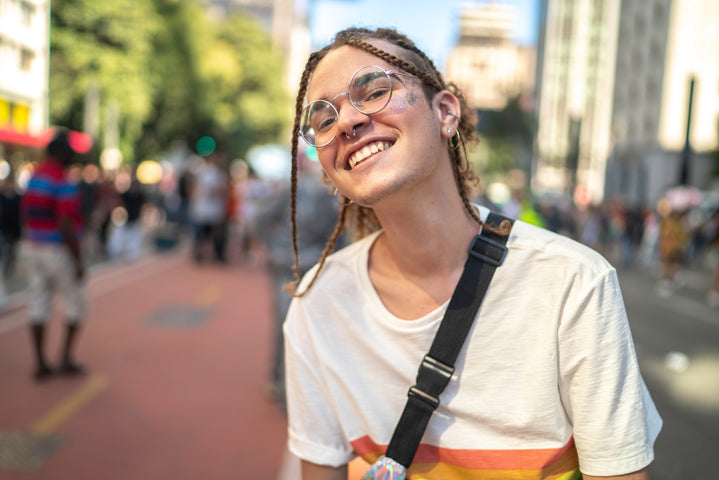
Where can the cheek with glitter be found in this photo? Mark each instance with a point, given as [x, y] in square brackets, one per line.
[403, 101]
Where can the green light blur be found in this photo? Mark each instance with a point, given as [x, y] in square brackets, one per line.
[205, 146]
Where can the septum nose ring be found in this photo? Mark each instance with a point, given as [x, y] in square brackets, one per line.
[354, 133]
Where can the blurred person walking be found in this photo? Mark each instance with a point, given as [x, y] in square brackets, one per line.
[50, 211]
[316, 213]
[126, 237]
[711, 229]
[208, 208]
[253, 192]
[10, 226]
[672, 240]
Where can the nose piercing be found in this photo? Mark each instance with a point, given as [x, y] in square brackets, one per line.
[354, 133]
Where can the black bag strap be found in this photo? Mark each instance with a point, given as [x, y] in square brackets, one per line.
[486, 253]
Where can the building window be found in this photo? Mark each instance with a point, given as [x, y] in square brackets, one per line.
[26, 58]
[27, 10]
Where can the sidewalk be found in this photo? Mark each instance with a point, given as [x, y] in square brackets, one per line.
[178, 357]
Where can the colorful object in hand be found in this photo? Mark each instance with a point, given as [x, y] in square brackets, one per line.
[385, 469]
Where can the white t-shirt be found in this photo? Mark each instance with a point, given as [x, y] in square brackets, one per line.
[209, 199]
[547, 381]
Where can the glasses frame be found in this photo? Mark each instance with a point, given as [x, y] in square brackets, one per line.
[389, 74]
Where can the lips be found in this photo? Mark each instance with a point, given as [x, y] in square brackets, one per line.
[367, 151]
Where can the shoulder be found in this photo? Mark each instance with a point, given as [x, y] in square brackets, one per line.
[345, 265]
[545, 246]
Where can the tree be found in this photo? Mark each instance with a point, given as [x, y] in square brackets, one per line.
[179, 105]
[104, 46]
[244, 81]
[169, 71]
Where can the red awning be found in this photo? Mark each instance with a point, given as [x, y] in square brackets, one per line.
[80, 142]
[13, 137]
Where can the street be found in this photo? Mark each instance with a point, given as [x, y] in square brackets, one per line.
[677, 342]
[178, 356]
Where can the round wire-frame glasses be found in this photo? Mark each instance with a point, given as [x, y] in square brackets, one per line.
[370, 90]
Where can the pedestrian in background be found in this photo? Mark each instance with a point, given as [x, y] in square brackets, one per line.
[711, 229]
[53, 231]
[10, 226]
[316, 211]
[126, 237]
[547, 383]
[672, 240]
[208, 208]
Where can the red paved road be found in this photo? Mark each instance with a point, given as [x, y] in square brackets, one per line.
[176, 390]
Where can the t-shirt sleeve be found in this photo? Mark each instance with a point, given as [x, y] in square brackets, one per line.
[314, 431]
[615, 422]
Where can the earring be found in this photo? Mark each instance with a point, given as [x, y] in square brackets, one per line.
[449, 130]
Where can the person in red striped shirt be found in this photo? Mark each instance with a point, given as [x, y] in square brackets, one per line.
[52, 233]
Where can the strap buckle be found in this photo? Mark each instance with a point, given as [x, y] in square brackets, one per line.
[492, 251]
[432, 378]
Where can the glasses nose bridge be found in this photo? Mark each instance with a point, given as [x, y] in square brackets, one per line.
[348, 115]
[334, 100]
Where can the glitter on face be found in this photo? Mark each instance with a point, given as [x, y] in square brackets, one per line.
[403, 101]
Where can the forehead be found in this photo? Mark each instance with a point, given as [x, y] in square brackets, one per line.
[333, 72]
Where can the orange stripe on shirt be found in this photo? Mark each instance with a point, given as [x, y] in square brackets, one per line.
[553, 463]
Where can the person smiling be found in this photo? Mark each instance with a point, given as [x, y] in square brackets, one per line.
[547, 383]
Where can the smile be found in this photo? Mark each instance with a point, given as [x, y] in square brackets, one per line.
[366, 152]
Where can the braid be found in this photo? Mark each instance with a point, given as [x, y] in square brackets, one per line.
[292, 286]
[304, 81]
[398, 62]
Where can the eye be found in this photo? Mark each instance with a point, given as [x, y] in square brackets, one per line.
[322, 116]
[324, 123]
[370, 87]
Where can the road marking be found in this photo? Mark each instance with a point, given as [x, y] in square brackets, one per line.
[71, 404]
[209, 296]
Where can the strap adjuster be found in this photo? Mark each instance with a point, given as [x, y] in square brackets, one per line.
[493, 252]
[432, 378]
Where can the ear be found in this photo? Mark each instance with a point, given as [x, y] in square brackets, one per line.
[448, 112]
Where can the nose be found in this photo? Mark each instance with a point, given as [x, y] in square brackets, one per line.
[350, 119]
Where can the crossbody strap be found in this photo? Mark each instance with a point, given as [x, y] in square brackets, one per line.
[486, 253]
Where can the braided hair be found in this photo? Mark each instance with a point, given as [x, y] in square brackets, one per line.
[362, 220]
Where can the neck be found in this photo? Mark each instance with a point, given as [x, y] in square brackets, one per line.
[428, 236]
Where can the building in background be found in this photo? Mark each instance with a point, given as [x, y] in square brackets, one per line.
[487, 64]
[285, 20]
[664, 46]
[574, 114]
[614, 97]
[24, 63]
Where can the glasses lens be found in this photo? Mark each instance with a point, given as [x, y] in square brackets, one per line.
[317, 121]
[370, 89]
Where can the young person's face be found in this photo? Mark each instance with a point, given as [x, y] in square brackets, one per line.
[377, 155]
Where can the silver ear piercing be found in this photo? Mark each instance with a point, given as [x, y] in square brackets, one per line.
[449, 130]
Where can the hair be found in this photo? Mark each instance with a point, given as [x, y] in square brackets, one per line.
[59, 147]
[412, 60]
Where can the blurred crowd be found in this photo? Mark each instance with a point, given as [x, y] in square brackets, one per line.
[664, 239]
[230, 214]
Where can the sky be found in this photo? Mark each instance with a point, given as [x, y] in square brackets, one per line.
[432, 24]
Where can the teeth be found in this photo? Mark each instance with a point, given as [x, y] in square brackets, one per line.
[366, 152]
